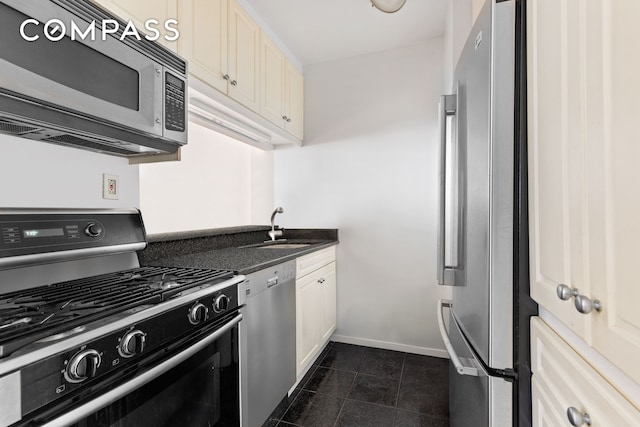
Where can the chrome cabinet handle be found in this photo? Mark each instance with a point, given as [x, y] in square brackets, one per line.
[564, 292]
[226, 77]
[234, 83]
[576, 418]
[321, 280]
[288, 119]
[585, 305]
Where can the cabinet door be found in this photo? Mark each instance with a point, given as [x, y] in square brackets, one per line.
[327, 293]
[244, 57]
[543, 408]
[556, 158]
[562, 379]
[309, 263]
[613, 142]
[307, 327]
[204, 41]
[294, 101]
[272, 62]
[141, 10]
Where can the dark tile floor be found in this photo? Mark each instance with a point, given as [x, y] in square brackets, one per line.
[355, 386]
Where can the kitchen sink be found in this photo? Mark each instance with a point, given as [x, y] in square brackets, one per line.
[280, 244]
[283, 245]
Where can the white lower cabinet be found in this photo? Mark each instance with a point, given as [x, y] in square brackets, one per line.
[315, 305]
[327, 295]
[564, 385]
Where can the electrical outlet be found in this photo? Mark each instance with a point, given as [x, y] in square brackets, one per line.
[110, 187]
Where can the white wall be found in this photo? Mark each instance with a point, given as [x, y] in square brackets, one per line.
[369, 168]
[38, 174]
[219, 182]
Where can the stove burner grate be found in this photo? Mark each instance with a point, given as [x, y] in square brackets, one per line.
[32, 314]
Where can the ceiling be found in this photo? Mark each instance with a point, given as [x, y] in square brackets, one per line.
[324, 30]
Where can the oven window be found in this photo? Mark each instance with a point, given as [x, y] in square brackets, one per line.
[202, 391]
[69, 63]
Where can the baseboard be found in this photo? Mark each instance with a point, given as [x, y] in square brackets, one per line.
[435, 352]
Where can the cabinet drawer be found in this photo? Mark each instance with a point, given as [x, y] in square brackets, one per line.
[563, 379]
[313, 261]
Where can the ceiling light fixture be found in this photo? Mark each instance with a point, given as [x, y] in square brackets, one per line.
[388, 6]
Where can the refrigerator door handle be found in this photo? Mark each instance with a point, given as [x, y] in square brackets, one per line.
[447, 108]
[478, 368]
[460, 368]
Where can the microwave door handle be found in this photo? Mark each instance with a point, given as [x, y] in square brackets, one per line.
[447, 108]
[120, 391]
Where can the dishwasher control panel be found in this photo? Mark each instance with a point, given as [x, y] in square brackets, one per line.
[261, 280]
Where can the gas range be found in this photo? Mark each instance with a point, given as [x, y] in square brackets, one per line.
[69, 341]
[64, 309]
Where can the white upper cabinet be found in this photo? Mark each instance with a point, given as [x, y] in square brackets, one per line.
[205, 42]
[282, 89]
[139, 11]
[228, 51]
[294, 101]
[613, 177]
[272, 65]
[244, 57]
[583, 171]
[221, 43]
[556, 161]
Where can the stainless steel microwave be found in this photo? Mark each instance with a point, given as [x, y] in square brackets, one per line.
[68, 77]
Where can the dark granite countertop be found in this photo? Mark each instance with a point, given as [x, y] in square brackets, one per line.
[231, 248]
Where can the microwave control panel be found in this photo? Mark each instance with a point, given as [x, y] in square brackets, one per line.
[174, 104]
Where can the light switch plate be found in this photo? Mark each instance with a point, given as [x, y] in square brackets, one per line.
[110, 187]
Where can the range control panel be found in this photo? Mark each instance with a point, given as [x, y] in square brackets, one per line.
[38, 231]
[50, 233]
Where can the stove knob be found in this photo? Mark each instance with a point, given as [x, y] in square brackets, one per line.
[197, 313]
[132, 343]
[82, 366]
[221, 303]
[93, 230]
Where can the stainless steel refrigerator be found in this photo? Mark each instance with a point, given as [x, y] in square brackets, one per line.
[479, 222]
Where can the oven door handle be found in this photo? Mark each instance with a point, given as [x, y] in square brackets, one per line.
[115, 394]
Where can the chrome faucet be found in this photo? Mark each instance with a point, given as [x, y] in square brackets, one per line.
[275, 233]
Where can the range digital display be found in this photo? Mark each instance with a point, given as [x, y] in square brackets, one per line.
[43, 232]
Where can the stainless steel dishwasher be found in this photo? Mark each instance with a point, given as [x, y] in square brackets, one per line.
[268, 341]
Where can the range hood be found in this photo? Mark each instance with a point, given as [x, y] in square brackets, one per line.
[26, 119]
[218, 112]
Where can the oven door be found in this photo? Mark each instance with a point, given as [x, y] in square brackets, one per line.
[102, 78]
[198, 386]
